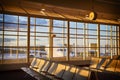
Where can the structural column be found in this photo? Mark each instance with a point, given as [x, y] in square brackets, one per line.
[68, 42]
[84, 41]
[98, 40]
[50, 52]
[28, 39]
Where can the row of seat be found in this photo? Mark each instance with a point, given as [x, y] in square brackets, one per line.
[104, 69]
[48, 70]
[104, 64]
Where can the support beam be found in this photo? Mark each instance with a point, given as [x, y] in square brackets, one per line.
[28, 40]
[50, 54]
[68, 42]
[98, 40]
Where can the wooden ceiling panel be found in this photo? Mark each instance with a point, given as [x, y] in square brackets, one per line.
[56, 11]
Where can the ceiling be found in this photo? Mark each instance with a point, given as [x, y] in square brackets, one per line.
[107, 10]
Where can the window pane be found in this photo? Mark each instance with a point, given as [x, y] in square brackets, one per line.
[11, 27]
[22, 27]
[1, 28]
[40, 21]
[22, 53]
[79, 31]
[103, 27]
[1, 40]
[32, 34]
[58, 30]
[10, 53]
[72, 42]
[32, 28]
[10, 40]
[80, 25]
[61, 35]
[23, 20]
[72, 36]
[41, 29]
[72, 31]
[92, 26]
[79, 42]
[23, 33]
[11, 18]
[59, 23]
[10, 33]
[72, 24]
[92, 32]
[42, 41]
[42, 34]
[59, 52]
[32, 41]
[1, 17]
[22, 41]
[32, 20]
[59, 42]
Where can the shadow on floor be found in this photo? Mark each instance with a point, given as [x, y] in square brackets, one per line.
[14, 75]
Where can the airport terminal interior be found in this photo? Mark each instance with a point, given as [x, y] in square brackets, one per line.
[59, 39]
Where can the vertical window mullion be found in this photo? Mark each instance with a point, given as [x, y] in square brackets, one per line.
[17, 38]
[117, 40]
[84, 40]
[98, 40]
[28, 39]
[111, 43]
[75, 40]
[35, 37]
[50, 51]
[68, 41]
[87, 39]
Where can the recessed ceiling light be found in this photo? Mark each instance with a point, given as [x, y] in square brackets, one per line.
[43, 9]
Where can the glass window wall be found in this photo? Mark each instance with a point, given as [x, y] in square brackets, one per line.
[51, 36]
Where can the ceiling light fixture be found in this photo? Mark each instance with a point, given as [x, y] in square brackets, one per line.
[92, 14]
[42, 10]
[43, 7]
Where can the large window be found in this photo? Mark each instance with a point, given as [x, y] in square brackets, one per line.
[41, 37]
[59, 29]
[108, 40]
[76, 39]
[82, 37]
[13, 37]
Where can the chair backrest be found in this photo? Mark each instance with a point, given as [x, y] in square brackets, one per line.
[111, 65]
[35, 66]
[52, 68]
[117, 69]
[69, 72]
[46, 66]
[94, 62]
[82, 74]
[41, 65]
[33, 62]
[59, 70]
[100, 61]
[104, 63]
